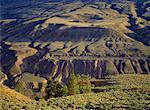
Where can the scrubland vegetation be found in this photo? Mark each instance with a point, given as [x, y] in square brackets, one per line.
[117, 92]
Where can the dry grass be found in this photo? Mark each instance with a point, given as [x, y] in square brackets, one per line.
[7, 92]
[23, 50]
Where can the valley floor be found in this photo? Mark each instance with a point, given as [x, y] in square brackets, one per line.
[121, 92]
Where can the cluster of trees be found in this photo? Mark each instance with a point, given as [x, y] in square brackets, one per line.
[55, 89]
[76, 84]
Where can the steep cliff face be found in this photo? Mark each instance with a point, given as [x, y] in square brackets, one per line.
[60, 69]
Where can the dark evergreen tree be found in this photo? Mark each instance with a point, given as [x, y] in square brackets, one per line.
[55, 89]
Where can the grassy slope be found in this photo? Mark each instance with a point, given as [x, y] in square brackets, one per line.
[22, 49]
[14, 100]
[125, 92]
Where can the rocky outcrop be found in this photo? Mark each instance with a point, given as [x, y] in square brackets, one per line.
[35, 83]
[60, 69]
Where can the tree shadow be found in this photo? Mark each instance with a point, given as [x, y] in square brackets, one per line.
[107, 83]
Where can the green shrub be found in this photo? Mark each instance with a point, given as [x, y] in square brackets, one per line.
[72, 85]
[20, 87]
[84, 84]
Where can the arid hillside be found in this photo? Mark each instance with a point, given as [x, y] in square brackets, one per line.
[74, 54]
[97, 38]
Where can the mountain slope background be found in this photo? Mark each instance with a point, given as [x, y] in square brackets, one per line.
[66, 35]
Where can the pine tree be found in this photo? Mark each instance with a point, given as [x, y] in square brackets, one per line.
[55, 89]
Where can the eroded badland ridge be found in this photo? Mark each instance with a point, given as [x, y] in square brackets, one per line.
[53, 38]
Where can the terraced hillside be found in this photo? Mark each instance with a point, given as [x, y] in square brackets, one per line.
[103, 37]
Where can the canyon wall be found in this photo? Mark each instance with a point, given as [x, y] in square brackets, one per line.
[60, 69]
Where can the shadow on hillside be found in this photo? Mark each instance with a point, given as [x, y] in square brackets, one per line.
[26, 32]
[60, 32]
[139, 34]
[7, 59]
[103, 85]
[18, 31]
[142, 35]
